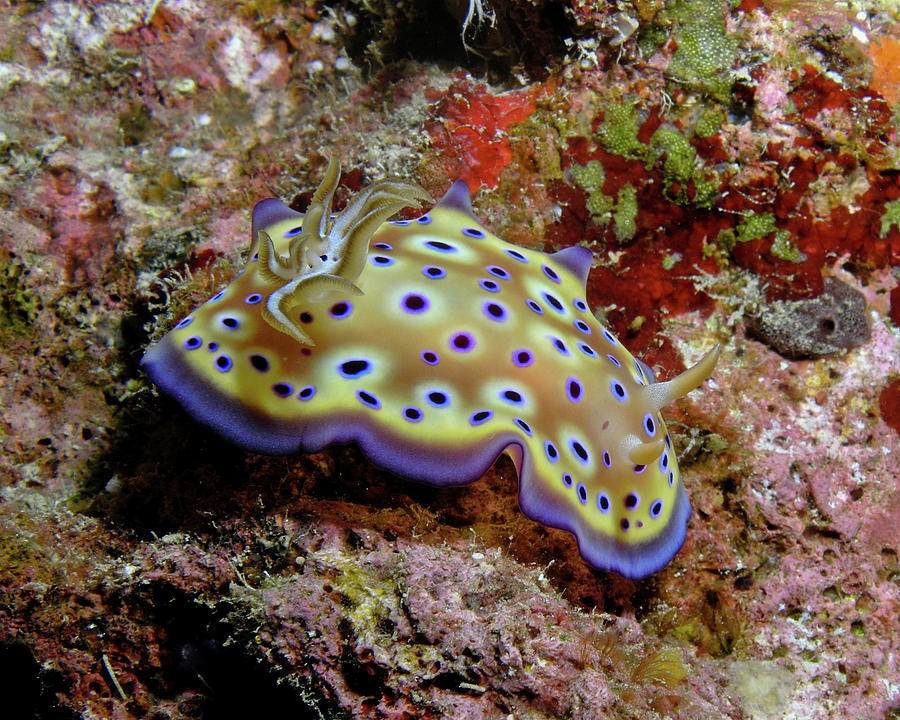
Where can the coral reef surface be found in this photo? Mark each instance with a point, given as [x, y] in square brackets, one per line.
[724, 162]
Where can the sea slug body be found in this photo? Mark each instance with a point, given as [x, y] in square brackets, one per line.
[436, 346]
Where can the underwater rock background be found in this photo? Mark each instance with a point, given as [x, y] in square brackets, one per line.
[716, 159]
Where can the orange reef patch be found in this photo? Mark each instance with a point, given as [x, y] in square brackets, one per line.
[470, 129]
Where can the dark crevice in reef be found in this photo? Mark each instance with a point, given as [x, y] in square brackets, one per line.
[30, 690]
[203, 659]
[510, 36]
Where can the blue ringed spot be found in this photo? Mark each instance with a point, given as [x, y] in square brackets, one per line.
[587, 349]
[414, 303]
[603, 503]
[341, 309]
[567, 480]
[294, 231]
[401, 223]
[354, 368]
[535, 307]
[624, 524]
[368, 399]
[551, 452]
[437, 398]
[523, 426]
[582, 493]
[307, 392]
[498, 271]
[382, 260]
[638, 469]
[217, 296]
[184, 323]
[473, 232]
[553, 302]
[618, 391]
[560, 346]
[212, 346]
[424, 219]
[434, 272]
[656, 509]
[579, 451]
[649, 425]
[607, 460]
[223, 363]
[582, 327]
[494, 311]
[632, 500]
[489, 285]
[429, 357]
[580, 304]
[522, 358]
[550, 273]
[383, 246]
[192, 343]
[574, 390]
[614, 360]
[282, 389]
[480, 416]
[259, 363]
[253, 298]
[440, 246]
[516, 255]
[513, 397]
[229, 323]
[609, 336]
[671, 478]
[664, 462]
[461, 342]
[412, 414]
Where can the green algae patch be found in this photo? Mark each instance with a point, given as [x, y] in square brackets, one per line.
[621, 210]
[891, 217]
[590, 178]
[784, 249]
[619, 131]
[681, 168]
[706, 52]
[754, 227]
[18, 305]
[625, 213]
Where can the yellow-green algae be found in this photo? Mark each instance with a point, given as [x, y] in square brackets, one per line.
[622, 211]
[619, 131]
[590, 178]
[680, 166]
[891, 217]
[755, 226]
[706, 52]
[784, 249]
[625, 214]
[18, 305]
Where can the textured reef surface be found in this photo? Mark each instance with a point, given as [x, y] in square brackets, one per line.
[734, 170]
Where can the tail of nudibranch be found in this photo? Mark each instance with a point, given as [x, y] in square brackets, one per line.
[659, 394]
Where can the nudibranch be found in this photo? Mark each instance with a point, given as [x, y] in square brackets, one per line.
[436, 346]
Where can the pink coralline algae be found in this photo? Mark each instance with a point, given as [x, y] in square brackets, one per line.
[81, 216]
